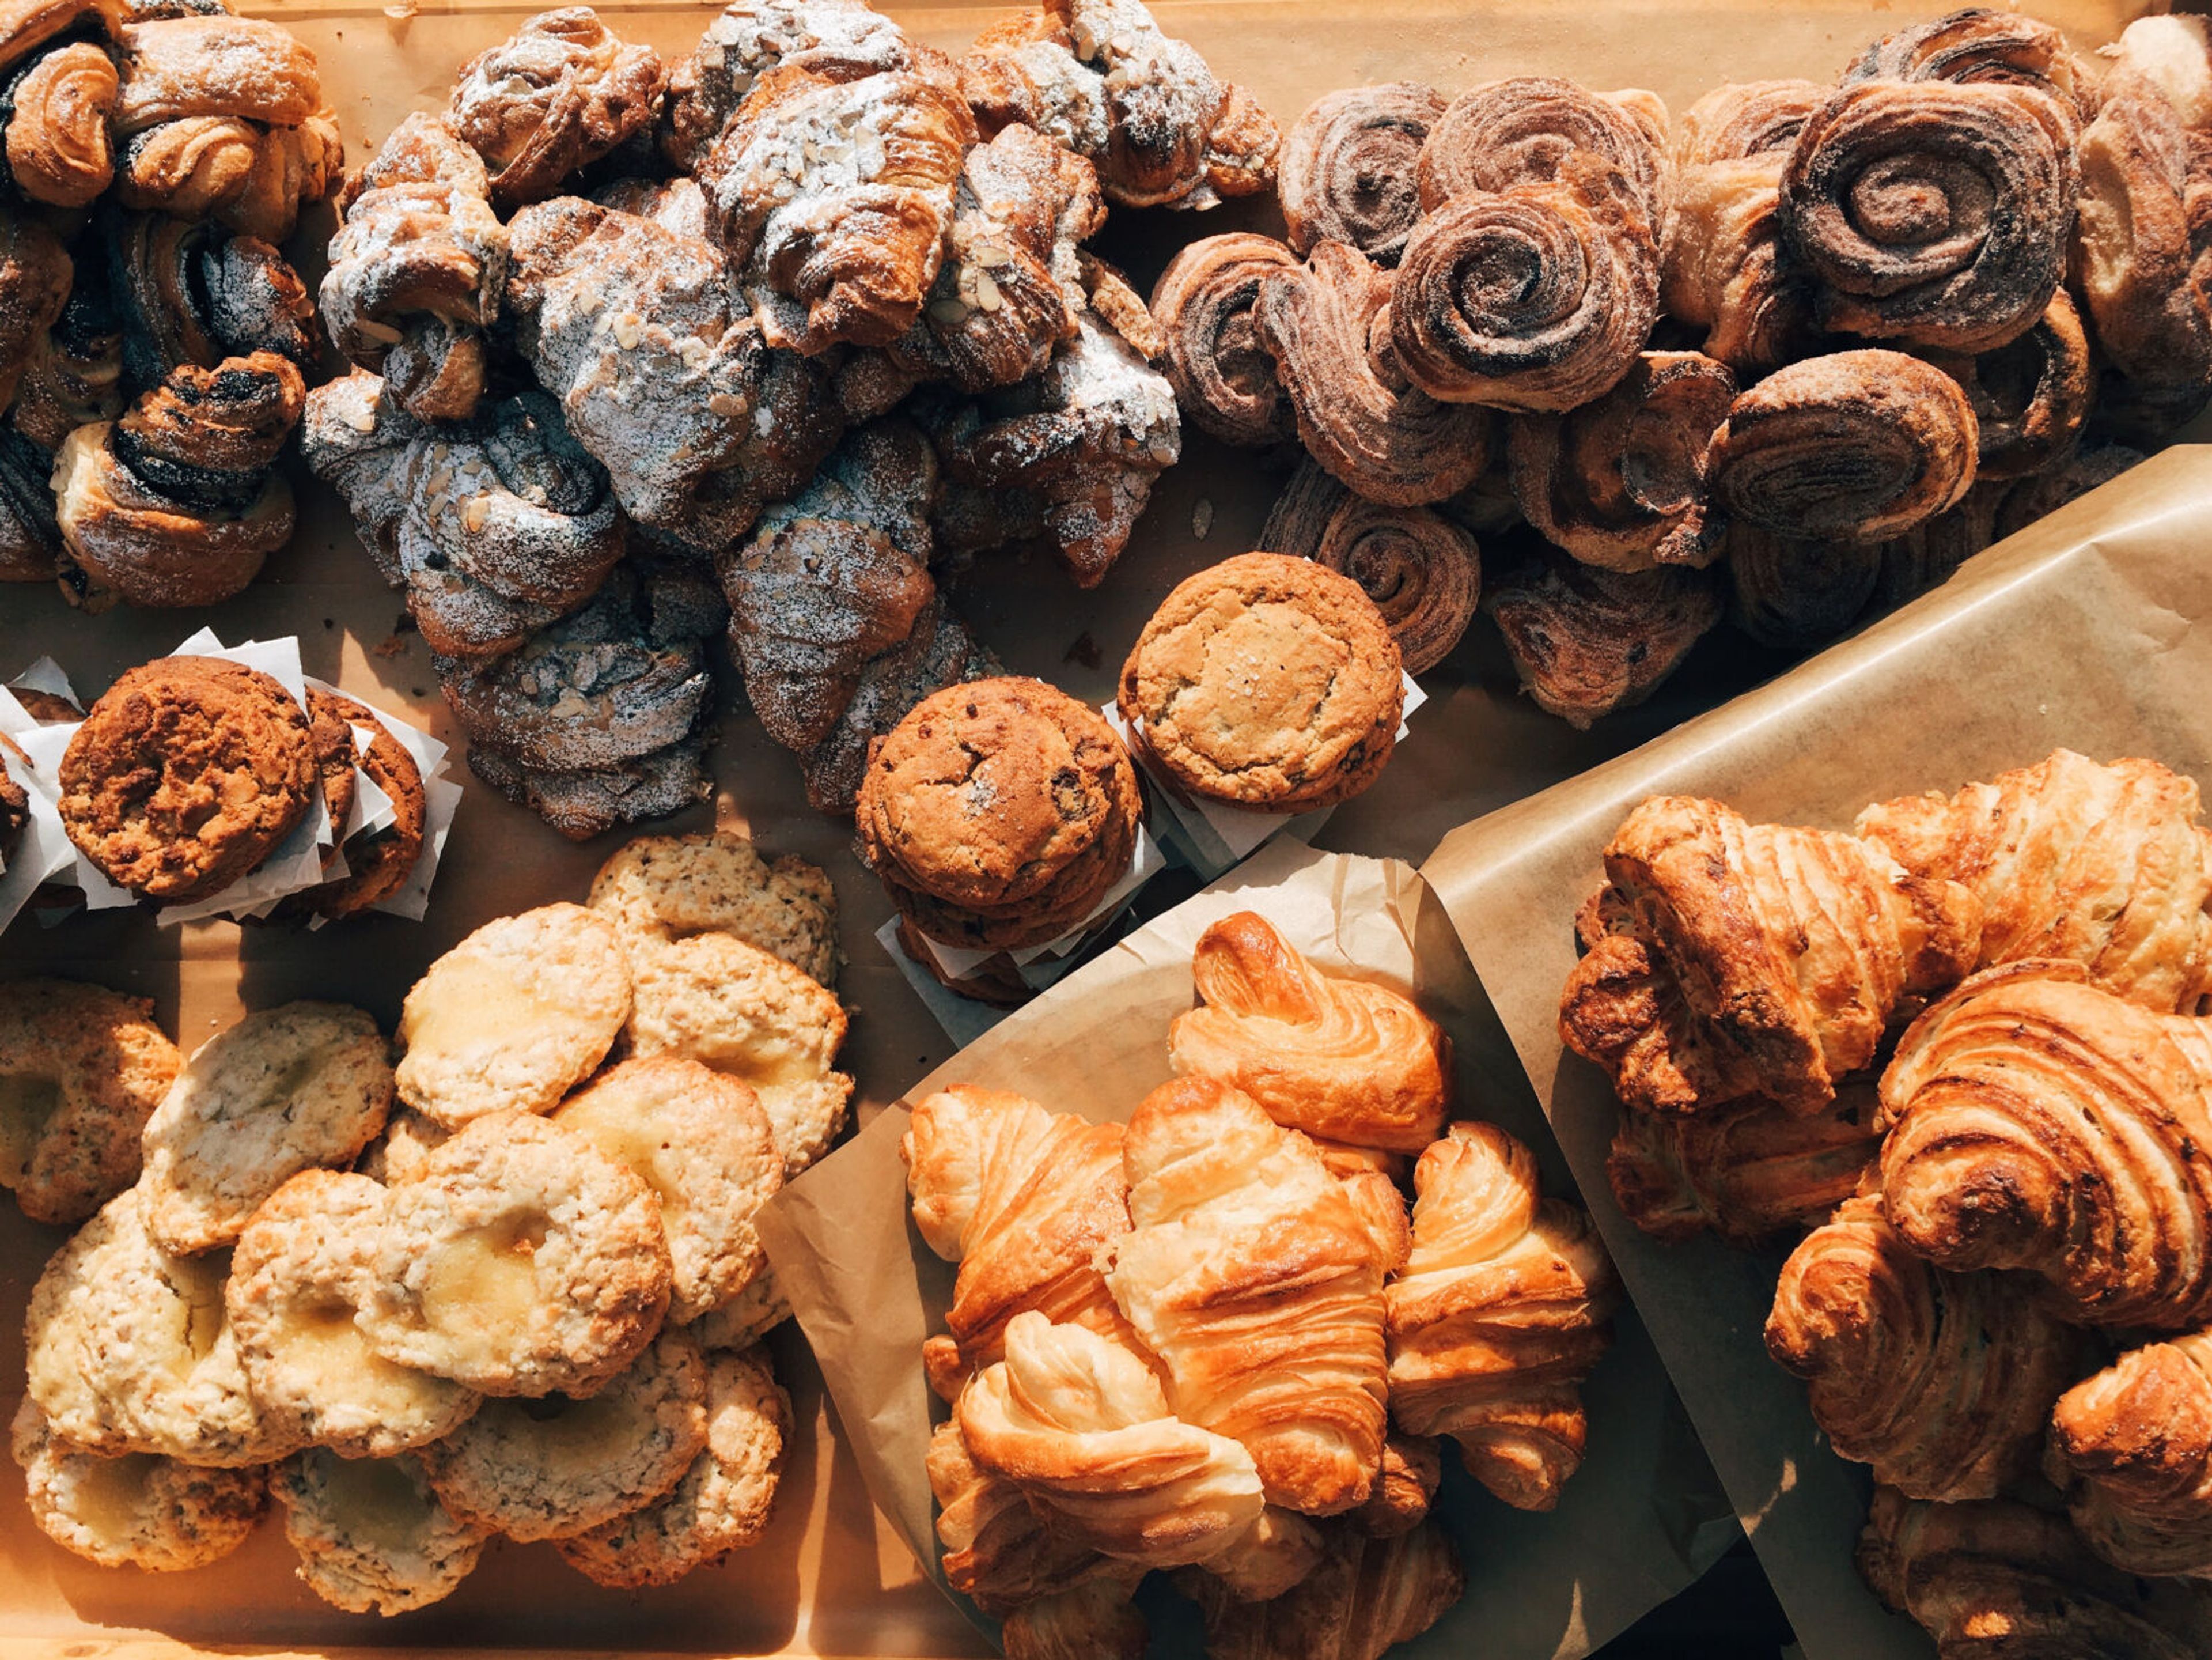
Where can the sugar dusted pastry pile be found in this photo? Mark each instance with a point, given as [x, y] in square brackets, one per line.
[1210, 1341]
[509, 1285]
[1791, 354]
[2003, 1301]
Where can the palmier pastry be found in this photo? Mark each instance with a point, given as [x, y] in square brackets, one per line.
[1586, 641]
[1704, 977]
[1366, 1596]
[35, 276]
[250, 177]
[1980, 43]
[558, 94]
[1348, 170]
[57, 145]
[195, 293]
[1203, 303]
[1860, 445]
[836, 39]
[1534, 129]
[1357, 412]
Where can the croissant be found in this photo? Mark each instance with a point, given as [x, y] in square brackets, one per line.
[555, 96]
[1412, 1470]
[35, 276]
[1022, 1199]
[1533, 129]
[1257, 1284]
[1586, 641]
[1349, 168]
[197, 294]
[57, 138]
[997, 1549]
[1745, 1171]
[1080, 1425]
[2039, 1121]
[1980, 43]
[1728, 959]
[1366, 1596]
[1204, 303]
[1357, 413]
[2135, 1443]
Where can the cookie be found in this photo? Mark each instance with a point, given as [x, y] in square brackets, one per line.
[513, 1017]
[332, 739]
[14, 802]
[745, 1318]
[401, 1153]
[522, 1261]
[724, 1500]
[139, 1511]
[81, 1069]
[285, 1089]
[186, 775]
[48, 708]
[371, 1534]
[701, 1141]
[734, 1007]
[669, 886]
[128, 1349]
[543, 1469]
[379, 863]
[298, 1274]
[996, 980]
[1011, 927]
[1268, 681]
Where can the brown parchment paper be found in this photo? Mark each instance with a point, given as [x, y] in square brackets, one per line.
[1636, 1523]
[2086, 631]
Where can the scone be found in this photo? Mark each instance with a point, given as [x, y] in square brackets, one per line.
[403, 1150]
[745, 1318]
[522, 1260]
[186, 774]
[81, 1069]
[371, 1534]
[513, 1017]
[140, 1511]
[734, 1007]
[285, 1089]
[666, 887]
[1268, 681]
[723, 1502]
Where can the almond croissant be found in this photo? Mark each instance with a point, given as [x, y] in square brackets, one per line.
[1728, 959]
[2136, 1440]
[1500, 1312]
[1252, 1277]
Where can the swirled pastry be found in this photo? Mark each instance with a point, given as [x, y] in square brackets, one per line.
[1586, 641]
[1534, 129]
[1358, 413]
[250, 177]
[1941, 1381]
[836, 39]
[1738, 121]
[1254, 1281]
[1204, 303]
[1728, 959]
[195, 293]
[2030, 396]
[558, 94]
[998, 1548]
[57, 145]
[1343, 1060]
[2135, 1443]
[1980, 43]
[212, 65]
[1349, 168]
[1366, 1596]
[1793, 594]
[35, 276]
[1499, 1313]
[2044, 493]
[1860, 445]
[75, 374]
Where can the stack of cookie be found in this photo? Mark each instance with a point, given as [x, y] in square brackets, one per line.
[999, 815]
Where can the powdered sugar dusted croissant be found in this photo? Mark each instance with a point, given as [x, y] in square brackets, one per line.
[997, 1549]
[212, 64]
[1343, 1060]
[1499, 1313]
[1728, 959]
[2134, 1444]
[1366, 1596]
[1256, 1284]
[836, 40]
[557, 94]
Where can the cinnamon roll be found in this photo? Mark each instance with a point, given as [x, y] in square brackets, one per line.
[58, 110]
[1796, 595]
[1522, 130]
[2030, 396]
[1926, 556]
[1858, 446]
[192, 293]
[1326, 326]
[2135, 248]
[1349, 171]
[1621, 481]
[1586, 641]
[1204, 304]
[1740, 119]
[2046, 492]
[1933, 212]
[1980, 43]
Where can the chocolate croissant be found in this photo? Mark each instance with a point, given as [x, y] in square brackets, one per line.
[1727, 959]
[1533, 129]
[1204, 303]
[2038, 1121]
[559, 93]
[2135, 1445]
[1586, 641]
[1941, 1381]
[1500, 1312]
[1349, 171]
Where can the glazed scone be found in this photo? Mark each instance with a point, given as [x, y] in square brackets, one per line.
[544, 1470]
[668, 886]
[522, 1261]
[723, 1502]
[736, 1008]
[400, 1153]
[371, 1534]
[513, 1017]
[81, 1069]
[300, 1273]
[285, 1089]
[745, 1318]
[139, 1511]
[128, 1349]
[702, 1144]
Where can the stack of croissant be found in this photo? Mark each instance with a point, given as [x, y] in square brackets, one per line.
[152, 338]
[1209, 1341]
[2003, 1304]
[1793, 354]
[795, 321]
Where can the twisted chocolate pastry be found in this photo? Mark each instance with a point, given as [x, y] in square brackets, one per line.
[1538, 297]
[1524, 130]
[57, 112]
[2030, 396]
[250, 177]
[1794, 595]
[197, 294]
[75, 375]
[30, 541]
[1205, 304]
[1981, 44]
[1586, 641]
[557, 94]
[35, 276]
[1349, 167]
[1857, 445]
[2135, 1442]
[1326, 324]
[1620, 482]
[1933, 212]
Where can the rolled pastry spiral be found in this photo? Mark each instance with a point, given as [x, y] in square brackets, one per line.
[1586, 641]
[1349, 168]
[2136, 1441]
[1204, 305]
[1859, 446]
[1933, 212]
[560, 93]
[58, 150]
[36, 275]
[1523, 130]
[2134, 249]
[1621, 481]
[1794, 595]
[2031, 396]
[1328, 326]
[1738, 120]
[1535, 298]
[1940, 1381]
[1980, 43]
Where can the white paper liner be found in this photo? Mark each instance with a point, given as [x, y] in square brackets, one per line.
[47, 675]
[44, 847]
[441, 799]
[371, 810]
[964, 1018]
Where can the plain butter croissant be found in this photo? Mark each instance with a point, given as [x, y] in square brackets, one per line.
[2136, 1442]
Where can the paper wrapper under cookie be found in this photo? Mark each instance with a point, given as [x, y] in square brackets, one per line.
[2077, 632]
[1639, 1522]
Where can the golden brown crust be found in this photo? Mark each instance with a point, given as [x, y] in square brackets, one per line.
[2135, 1443]
[1981, 44]
[2030, 396]
[1586, 641]
[1535, 129]
[1204, 303]
[997, 1547]
[58, 150]
[1746, 1170]
[2135, 253]
[1366, 1596]
[379, 863]
[215, 64]
[1348, 169]
[108, 1066]
[558, 94]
